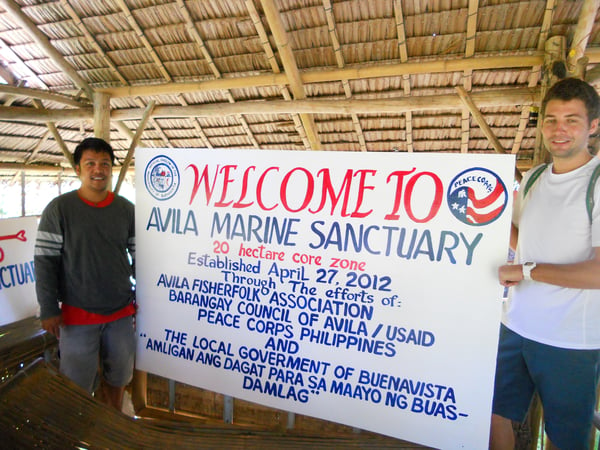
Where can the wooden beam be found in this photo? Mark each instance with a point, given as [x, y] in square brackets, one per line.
[487, 131]
[283, 89]
[124, 129]
[523, 122]
[339, 57]
[31, 157]
[41, 94]
[402, 48]
[40, 168]
[472, 12]
[347, 73]
[56, 135]
[154, 123]
[133, 145]
[15, 12]
[465, 121]
[495, 98]
[290, 67]
[61, 144]
[582, 33]
[24, 113]
[43, 168]
[491, 98]
[7, 76]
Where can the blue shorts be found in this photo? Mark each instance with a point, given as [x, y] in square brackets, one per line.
[565, 379]
[110, 346]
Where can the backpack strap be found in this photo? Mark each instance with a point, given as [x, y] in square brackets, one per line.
[589, 199]
[533, 178]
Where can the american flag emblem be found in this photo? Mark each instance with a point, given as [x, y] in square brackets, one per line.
[477, 196]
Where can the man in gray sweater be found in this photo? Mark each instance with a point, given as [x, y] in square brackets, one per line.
[84, 263]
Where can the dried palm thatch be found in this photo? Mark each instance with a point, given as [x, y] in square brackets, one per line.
[338, 75]
[21, 343]
[40, 408]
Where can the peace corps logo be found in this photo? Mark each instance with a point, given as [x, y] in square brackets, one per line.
[161, 178]
[477, 196]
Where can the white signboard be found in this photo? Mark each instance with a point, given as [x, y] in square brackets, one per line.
[17, 275]
[359, 288]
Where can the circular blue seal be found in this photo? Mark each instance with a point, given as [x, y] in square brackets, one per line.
[161, 177]
[477, 196]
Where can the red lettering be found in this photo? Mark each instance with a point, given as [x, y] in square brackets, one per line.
[398, 196]
[303, 258]
[295, 190]
[198, 179]
[226, 181]
[437, 200]
[361, 190]
[259, 187]
[328, 192]
[239, 203]
[310, 188]
[260, 252]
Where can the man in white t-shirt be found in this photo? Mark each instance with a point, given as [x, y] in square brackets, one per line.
[550, 332]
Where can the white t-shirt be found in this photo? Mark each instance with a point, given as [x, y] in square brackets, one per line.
[554, 228]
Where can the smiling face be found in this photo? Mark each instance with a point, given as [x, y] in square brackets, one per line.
[566, 130]
[94, 171]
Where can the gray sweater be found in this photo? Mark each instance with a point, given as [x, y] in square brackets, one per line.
[81, 255]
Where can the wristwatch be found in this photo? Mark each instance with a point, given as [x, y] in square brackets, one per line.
[527, 268]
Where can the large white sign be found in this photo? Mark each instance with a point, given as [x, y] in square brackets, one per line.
[359, 288]
[17, 275]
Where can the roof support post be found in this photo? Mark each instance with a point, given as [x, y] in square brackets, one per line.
[102, 116]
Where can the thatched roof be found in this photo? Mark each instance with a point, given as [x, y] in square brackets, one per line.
[341, 75]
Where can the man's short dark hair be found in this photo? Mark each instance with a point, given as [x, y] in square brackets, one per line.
[571, 89]
[95, 144]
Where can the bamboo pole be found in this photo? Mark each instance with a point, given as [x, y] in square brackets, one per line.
[56, 135]
[134, 143]
[487, 131]
[492, 98]
[44, 168]
[495, 98]
[582, 33]
[41, 94]
[335, 75]
[291, 68]
[23, 113]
